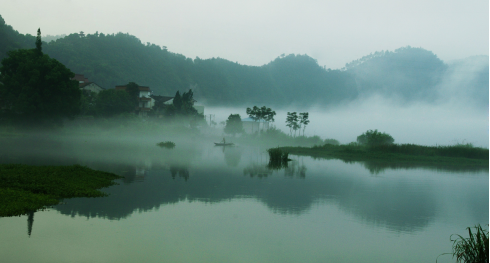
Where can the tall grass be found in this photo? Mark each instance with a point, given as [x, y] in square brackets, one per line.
[278, 158]
[458, 150]
[473, 249]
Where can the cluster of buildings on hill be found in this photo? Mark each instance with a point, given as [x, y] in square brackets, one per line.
[146, 99]
[147, 102]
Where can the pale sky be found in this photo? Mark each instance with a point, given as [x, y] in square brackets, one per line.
[254, 32]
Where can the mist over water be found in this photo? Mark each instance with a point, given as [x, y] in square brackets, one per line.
[445, 122]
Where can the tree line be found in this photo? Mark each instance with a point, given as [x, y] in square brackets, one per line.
[234, 125]
[113, 59]
[36, 89]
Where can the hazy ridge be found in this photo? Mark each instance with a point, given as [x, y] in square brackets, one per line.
[406, 75]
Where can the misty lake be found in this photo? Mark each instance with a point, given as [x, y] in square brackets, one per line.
[201, 203]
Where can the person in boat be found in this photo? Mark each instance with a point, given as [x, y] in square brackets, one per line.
[224, 141]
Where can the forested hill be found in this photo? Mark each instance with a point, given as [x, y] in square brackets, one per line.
[408, 74]
[11, 39]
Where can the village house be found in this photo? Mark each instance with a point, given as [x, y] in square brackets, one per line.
[170, 100]
[85, 84]
[145, 101]
[250, 126]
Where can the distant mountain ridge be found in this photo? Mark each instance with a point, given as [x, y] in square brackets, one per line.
[406, 74]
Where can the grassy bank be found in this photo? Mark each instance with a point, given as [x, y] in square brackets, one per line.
[25, 188]
[457, 156]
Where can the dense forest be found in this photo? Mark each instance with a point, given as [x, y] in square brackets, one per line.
[407, 74]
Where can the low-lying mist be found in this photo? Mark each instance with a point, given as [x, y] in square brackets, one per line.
[443, 123]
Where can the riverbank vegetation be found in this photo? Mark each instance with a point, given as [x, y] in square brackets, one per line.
[409, 154]
[25, 188]
[473, 249]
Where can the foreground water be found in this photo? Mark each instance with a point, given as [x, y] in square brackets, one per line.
[200, 203]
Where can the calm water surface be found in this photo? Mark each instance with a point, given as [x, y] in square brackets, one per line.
[212, 204]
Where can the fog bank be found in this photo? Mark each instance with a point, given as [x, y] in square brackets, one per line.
[444, 123]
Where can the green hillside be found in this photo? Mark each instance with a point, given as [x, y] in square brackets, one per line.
[408, 74]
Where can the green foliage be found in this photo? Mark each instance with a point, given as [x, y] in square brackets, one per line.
[167, 144]
[331, 141]
[12, 40]
[459, 150]
[26, 188]
[406, 73]
[473, 249]
[37, 89]
[303, 120]
[375, 138]
[263, 113]
[177, 102]
[87, 103]
[277, 158]
[111, 102]
[134, 92]
[292, 122]
[39, 49]
[234, 124]
[183, 105]
[17, 202]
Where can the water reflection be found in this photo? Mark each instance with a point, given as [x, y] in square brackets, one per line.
[259, 170]
[233, 155]
[151, 180]
[181, 171]
[30, 222]
[377, 167]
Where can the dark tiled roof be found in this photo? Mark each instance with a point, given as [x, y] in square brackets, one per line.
[80, 77]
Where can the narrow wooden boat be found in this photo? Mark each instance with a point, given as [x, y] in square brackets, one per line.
[223, 144]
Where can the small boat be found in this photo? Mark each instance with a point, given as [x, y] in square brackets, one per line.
[223, 144]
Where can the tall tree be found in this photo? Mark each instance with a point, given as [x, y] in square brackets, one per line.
[292, 122]
[303, 119]
[37, 89]
[261, 114]
[177, 101]
[234, 124]
[254, 114]
[39, 49]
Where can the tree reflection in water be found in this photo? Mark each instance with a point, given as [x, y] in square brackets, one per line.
[258, 170]
[30, 222]
[180, 170]
[294, 168]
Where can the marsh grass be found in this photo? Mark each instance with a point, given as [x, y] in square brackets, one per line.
[25, 188]
[278, 158]
[458, 150]
[473, 249]
[167, 144]
[452, 158]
